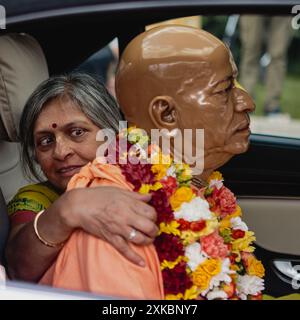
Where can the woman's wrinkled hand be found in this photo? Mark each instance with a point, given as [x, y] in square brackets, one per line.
[111, 214]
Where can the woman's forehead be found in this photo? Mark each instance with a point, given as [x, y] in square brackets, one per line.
[59, 111]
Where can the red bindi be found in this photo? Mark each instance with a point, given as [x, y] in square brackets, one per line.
[54, 125]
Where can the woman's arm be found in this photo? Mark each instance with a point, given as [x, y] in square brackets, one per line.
[27, 257]
[106, 212]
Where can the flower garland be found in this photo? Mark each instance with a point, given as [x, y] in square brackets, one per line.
[203, 245]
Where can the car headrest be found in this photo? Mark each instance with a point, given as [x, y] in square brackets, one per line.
[23, 67]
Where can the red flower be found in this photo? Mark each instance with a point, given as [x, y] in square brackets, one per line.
[222, 201]
[236, 234]
[198, 225]
[232, 258]
[138, 174]
[259, 296]
[169, 185]
[161, 204]
[184, 225]
[176, 280]
[168, 247]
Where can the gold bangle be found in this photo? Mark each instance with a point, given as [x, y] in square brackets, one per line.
[45, 242]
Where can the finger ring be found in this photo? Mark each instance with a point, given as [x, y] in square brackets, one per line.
[132, 234]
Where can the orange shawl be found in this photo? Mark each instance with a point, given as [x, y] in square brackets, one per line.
[87, 263]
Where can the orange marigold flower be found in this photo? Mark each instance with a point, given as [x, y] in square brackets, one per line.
[183, 194]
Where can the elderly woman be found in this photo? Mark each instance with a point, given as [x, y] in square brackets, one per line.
[58, 133]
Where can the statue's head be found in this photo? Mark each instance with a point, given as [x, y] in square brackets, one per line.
[181, 77]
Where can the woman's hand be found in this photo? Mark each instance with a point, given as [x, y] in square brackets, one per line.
[111, 214]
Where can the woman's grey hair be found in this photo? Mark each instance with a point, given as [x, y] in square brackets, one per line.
[85, 91]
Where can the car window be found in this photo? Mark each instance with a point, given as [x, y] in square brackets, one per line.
[266, 50]
[103, 64]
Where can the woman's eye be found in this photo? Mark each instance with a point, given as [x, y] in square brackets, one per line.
[77, 132]
[45, 141]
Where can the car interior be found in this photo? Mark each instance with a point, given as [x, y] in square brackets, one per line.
[43, 41]
[23, 67]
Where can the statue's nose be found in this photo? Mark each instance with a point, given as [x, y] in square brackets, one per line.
[243, 101]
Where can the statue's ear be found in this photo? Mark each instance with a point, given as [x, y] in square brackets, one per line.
[162, 110]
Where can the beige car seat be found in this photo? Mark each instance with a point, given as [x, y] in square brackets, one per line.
[22, 67]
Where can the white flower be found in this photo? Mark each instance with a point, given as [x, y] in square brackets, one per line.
[249, 285]
[216, 183]
[217, 294]
[195, 210]
[237, 223]
[171, 172]
[195, 255]
[223, 276]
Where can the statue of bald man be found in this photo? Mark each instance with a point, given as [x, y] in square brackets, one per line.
[182, 77]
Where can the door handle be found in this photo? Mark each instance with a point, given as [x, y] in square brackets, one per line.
[287, 272]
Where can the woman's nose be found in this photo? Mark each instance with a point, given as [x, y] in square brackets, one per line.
[62, 149]
[243, 101]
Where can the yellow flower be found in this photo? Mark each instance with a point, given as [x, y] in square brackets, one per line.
[178, 296]
[201, 279]
[145, 188]
[187, 171]
[159, 170]
[159, 158]
[234, 267]
[243, 244]
[130, 129]
[188, 237]
[171, 264]
[191, 293]
[211, 226]
[183, 194]
[216, 175]
[156, 186]
[184, 172]
[170, 228]
[205, 271]
[211, 266]
[255, 267]
[166, 160]
[225, 224]
[160, 164]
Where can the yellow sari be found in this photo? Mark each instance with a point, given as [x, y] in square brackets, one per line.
[30, 200]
